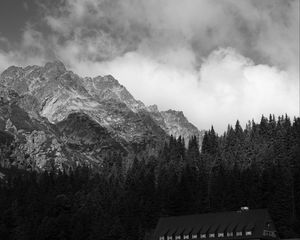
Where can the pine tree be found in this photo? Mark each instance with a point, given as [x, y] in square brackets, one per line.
[193, 153]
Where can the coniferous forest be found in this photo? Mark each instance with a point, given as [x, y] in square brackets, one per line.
[256, 166]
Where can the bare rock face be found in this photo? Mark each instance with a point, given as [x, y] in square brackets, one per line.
[178, 125]
[175, 123]
[34, 142]
[56, 93]
[58, 118]
[108, 88]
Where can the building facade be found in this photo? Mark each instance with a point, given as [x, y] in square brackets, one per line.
[242, 224]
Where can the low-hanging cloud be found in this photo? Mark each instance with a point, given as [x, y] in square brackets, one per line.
[218, 61]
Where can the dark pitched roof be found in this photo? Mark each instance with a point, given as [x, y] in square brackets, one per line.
[250, 226]
[214, 228]
[204, 229]
[196, 229]
[172, 231]
[222, 228]
[187, 230]
[240, 227]
[254, 220]
[180, 231]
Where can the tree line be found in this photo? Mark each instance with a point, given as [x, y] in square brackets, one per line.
[258, 166]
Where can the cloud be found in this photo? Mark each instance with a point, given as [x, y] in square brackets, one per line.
[237, 88]
[227, 86]
[218, 61]
[33, 49]
[25, 6]
[258, 29]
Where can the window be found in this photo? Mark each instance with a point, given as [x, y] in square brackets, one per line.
[220, 234]
[161, 238]
[248, 233]
[169, 238]
[239, 234]
[203, 236]
[194, 236]
[211, 235]
[178, 237]
[186, 237]
[230, 234]
[269, 233]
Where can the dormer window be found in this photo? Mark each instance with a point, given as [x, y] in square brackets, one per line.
[186, 237]
[248, 233]
[169, 238]
[194, 236]
[211, 235]
[203, 235]
[229, 234]
[220, 234]
[178, 237]
[239, 234]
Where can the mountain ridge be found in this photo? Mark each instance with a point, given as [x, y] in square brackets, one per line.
[51, 94]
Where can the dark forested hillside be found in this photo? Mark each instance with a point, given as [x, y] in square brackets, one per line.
[258, 166]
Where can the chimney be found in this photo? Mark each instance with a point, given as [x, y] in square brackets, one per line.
[244, 209]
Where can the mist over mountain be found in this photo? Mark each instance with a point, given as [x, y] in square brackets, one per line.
[196, 57]
[56, 118]
[117, 113]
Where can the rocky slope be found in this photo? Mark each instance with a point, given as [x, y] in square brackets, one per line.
[174, 123]
[56, 118]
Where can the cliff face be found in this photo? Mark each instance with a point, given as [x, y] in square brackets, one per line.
[178, 125]
[31, 141]
[57, 117]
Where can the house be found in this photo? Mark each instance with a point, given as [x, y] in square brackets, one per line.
[242, 224]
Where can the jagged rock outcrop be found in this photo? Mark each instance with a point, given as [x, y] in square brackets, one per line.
[58, 118]
[33, 141]
[178, 125]
[175, 123]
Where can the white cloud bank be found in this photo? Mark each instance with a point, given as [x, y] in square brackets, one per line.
[218, 61]
[225, 88]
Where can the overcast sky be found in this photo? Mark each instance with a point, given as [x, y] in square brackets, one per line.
[216, 60]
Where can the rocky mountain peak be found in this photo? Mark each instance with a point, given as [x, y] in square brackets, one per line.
[92, 114]
[178, 125]
[7, 77]
[13, 71]
[56, 66]
[111, 79]
[109, 88]
[52, 70]
[107, 82]
[175, 113]
[153, 108]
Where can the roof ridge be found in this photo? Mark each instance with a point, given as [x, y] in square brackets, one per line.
[212, 213]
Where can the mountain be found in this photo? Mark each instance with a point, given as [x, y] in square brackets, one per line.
[174, 123]
[56, 118]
